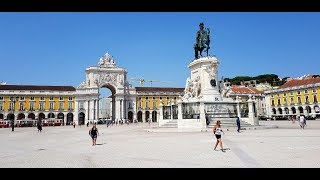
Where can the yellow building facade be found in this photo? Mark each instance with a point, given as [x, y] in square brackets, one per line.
[296, 97]
[37, 102]
[149, 100]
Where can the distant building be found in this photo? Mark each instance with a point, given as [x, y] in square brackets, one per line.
[297, 96]
[149, 98]
[244, 93]
[37, 102]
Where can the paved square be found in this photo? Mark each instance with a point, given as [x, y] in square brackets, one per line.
[132, 146]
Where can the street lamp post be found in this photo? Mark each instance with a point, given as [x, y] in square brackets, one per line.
[14, 105]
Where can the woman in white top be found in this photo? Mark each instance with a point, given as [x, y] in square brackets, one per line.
[302, 121]
[217, 130]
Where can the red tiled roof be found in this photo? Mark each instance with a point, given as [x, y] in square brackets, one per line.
[159, 89]
[300, 82]
[245, 90]
[37, 88]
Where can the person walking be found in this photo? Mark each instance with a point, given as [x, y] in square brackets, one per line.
[93, 132]
[39, 126]
[217, 130]
[238, 124]
[302, 121]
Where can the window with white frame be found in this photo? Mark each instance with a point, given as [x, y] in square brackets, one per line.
[41, 106]
[140, 104]
[70, 98]
[291, 101]
[81, 105]
[307, 99]
[313, 90]
[42, 98]
[1, 98]
[51, 105]
[299, 100]
[11, 106]
[60, 105]
[32, 98]
[272, 102]
[51, 98]
[21, 106]
[130, 105]
[31, 106]
[22, 98]
[147, 103]
[306, 91]
[284, 94]
[70, 105]
[1, 105]
[298, 93]
[291, 93]
[61, 98]
[315, 99]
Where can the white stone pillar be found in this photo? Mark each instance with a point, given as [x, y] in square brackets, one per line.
[134, 110]
[179, 110]
[160, 114]
[313, 112]
[144, 116]
[202, 116]
[252, 119]
[91, 110]
[87, 107]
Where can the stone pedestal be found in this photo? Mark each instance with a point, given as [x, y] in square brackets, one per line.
[203, 83]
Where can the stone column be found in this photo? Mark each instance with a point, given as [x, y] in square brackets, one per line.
[160, 114]
[179, 110]
[252, 119]
[313, 112]
[202, 116]
[144, 115]
[290, 111]
[238, 107]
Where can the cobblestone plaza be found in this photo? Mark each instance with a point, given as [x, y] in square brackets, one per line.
[133, 146]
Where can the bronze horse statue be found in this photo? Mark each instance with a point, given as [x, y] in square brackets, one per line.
[202, 41]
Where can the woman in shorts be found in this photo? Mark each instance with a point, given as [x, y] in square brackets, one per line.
[94, 134]
[217, 130]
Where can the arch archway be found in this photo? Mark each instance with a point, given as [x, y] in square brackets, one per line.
[41, 116]
[105, 75]
[69, 118]
[61, 116]
[280, 110]
[130, 116]
[154, 116]
[139, 116]
[293, 110]
[274, 111]
[308, 108]
[51, 115]
[147, 116]
[300, 109]
[10, 116]
[81, 118]
[286, 110]
[31, 116]
[1, 116]
[21, 116]
[108, 103]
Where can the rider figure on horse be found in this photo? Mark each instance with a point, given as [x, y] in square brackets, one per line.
[202, 41]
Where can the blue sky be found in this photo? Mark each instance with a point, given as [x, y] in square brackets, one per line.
[54, 48]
